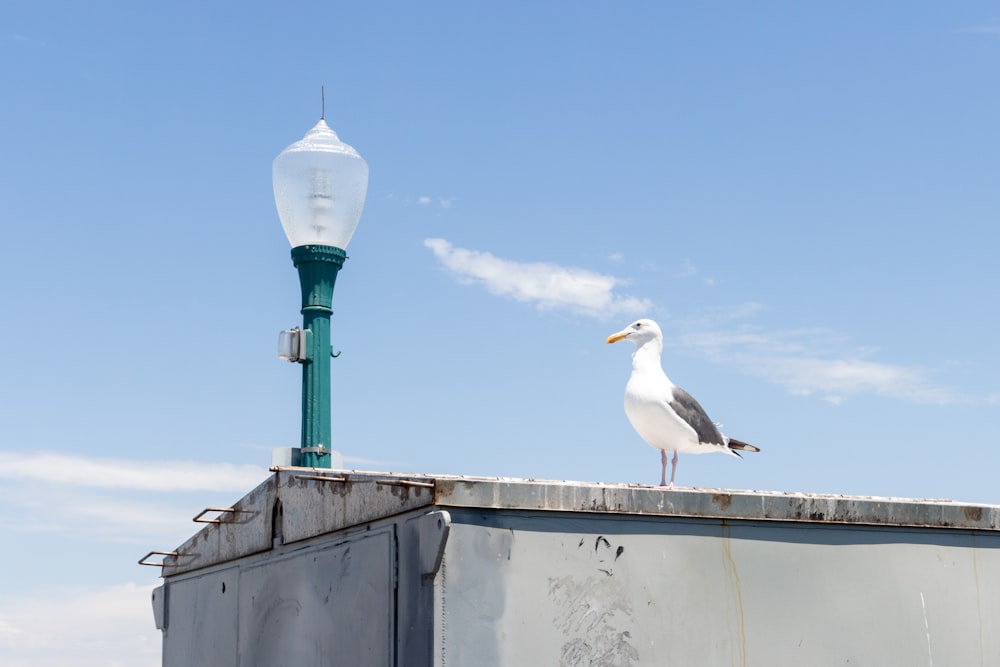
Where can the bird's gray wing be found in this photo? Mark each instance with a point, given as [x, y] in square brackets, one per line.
[691, 411]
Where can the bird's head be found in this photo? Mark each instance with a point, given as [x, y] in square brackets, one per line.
[638, 332]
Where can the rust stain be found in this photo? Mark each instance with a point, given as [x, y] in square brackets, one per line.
[973, 513]
[442, 490]
[723, 500]
[731, 563]
[979, 606]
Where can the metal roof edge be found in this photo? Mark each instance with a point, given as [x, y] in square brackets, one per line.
[315, 501]
[714, 503]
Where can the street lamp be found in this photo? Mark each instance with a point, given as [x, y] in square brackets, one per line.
[319, 188]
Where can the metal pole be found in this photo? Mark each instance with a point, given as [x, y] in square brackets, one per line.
[318, 266]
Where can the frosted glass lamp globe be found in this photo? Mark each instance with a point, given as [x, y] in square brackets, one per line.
[320, 185]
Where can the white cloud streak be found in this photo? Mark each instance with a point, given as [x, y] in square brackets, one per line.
[95, 627]
[114, 500]
[164, 476]
[443, 202]
[95, 516]
[807, 361]
[548, 286]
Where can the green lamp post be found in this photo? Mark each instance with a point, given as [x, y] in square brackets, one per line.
[319, 189]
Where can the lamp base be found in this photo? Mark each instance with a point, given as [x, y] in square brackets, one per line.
[318, 266]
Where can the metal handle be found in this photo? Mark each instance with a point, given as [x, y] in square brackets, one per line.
[205, 511]
[142, 561]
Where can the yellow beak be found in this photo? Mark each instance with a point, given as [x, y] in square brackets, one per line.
[614, 338]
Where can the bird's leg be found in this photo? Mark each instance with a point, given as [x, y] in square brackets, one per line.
[673, 467]
[663, 474]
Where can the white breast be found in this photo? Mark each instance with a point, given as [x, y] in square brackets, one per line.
[647, 408]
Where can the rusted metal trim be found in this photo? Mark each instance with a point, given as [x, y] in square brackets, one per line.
[713, 504]
[230, 510]
[380, 482]
[404, 482]
[165, 554]
[320, 478]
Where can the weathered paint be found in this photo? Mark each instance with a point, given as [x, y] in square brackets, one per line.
[293, 505]
[385, 569]
[532, 588]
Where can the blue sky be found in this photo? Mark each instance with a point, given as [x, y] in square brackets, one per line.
[805, 197]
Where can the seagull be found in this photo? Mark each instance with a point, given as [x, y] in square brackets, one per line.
[663, 414]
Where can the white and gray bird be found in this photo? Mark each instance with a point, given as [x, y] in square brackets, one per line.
[663, 414]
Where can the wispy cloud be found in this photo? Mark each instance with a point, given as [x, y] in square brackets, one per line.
[106, 627]
[90, 516]
[435, 201]
[837, 379]
[808, 361]
[114, 499]
[805, 361]
[65, 469]
[688, 270]
[548, 286]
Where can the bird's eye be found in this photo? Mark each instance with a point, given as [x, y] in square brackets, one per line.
[638, 325]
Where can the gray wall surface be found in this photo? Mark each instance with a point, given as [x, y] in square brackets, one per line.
[537, 589]
[326, 604]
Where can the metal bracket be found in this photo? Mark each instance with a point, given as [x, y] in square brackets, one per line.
[143, 561]
[205, 511]
[159, 600]
[432, 534]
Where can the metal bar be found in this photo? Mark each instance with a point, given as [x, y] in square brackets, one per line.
[205, 511]
[383, 482]
[321, 478]
[142, 561]
[405, 482]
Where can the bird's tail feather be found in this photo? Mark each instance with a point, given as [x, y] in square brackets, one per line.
[735, 444]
